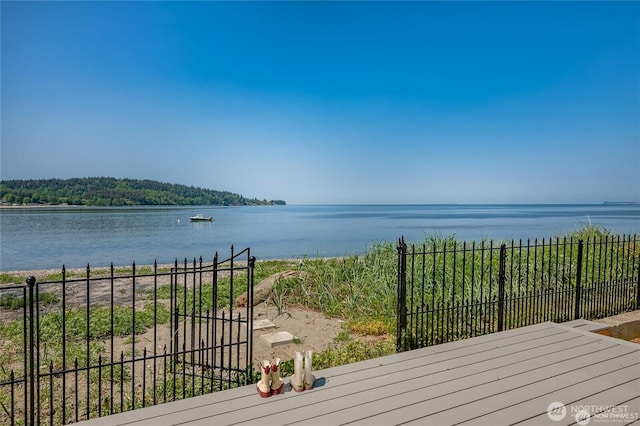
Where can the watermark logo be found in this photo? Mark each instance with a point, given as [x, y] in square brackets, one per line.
[556, 411]
[587, 414]
[582, 417]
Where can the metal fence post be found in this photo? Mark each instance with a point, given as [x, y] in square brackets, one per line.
[31, 283]
[501, 283]
[638, 286]
[250, 278]
[402, 294]
[578, 301]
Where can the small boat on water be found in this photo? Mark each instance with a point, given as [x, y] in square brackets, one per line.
[201, 218]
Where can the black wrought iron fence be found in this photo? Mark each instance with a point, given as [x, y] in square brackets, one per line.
[110, 340]
[450, 290]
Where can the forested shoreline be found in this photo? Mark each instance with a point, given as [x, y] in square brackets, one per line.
[107, 191]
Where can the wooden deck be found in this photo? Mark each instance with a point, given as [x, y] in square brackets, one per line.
[502, 378]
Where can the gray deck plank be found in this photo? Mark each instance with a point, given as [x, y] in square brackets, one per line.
[583, 324]
[533, 411]
[455, 408]
[629, 411]
[493, 379]
[532, 401]
[448, 359]
[223, 401]
[465, 377]
[456, 393]
[407, 380]
[613, 396]
[343, 388]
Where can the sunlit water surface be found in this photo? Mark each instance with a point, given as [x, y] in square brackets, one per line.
[42, 238]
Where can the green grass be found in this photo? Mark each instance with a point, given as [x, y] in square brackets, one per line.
[11, 301]
[354, 287]
[6, 278]
[344, 352]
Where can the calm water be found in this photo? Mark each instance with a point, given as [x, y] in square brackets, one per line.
[42, 238]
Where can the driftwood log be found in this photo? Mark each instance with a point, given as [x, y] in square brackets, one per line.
[262, 291]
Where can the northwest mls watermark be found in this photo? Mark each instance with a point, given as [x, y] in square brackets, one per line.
[585, 414]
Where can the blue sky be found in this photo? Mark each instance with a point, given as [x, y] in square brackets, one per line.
[329, 102]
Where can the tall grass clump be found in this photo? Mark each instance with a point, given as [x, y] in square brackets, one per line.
[451, 271]
[352, 287]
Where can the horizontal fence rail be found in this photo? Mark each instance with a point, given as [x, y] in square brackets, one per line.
[110, 340]
[450, 290]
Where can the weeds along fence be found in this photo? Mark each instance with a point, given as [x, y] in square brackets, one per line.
[110, 340]
[450, 290]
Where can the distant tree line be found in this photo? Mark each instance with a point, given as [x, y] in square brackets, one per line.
[106, 191]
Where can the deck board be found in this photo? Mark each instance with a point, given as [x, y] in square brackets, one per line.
[459, 382]
[528, 401]
[408, 376]
[586, 325]
[501, 378]
[471, 393]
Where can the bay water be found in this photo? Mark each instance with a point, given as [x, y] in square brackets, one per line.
[50, 237]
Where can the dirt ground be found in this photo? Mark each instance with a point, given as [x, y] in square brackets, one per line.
[312, 331]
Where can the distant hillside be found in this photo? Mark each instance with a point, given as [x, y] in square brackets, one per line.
[105, 191]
